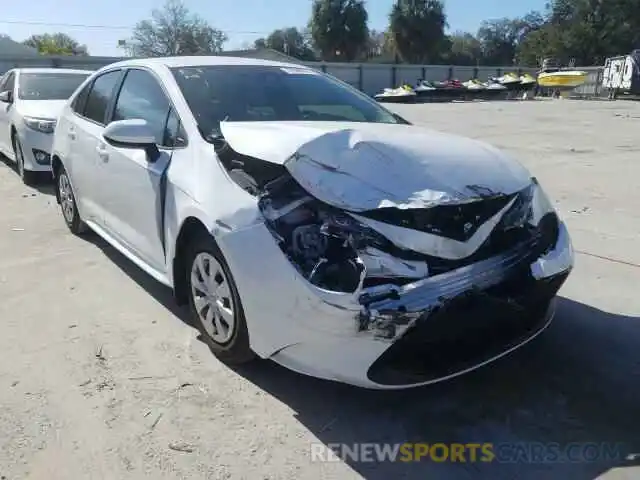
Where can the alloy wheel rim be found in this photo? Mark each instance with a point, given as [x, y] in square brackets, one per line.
[211, 294]
[66, 198]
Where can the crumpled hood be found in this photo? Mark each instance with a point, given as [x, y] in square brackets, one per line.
[364, 166]
[49, 109]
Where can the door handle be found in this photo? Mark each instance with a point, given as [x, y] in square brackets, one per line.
[71, 134]
[102, 153]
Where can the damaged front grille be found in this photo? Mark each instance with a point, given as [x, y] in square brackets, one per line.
[468, 331]
[457, 222]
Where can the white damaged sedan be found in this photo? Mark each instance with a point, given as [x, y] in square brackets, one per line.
[304, 223]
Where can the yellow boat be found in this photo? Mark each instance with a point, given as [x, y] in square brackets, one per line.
[562, 79]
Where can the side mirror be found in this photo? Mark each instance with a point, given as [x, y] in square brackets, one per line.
[133, 133]
[6, 96]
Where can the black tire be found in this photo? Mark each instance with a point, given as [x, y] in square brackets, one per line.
[68, 204]
[236, 349]
[27, 176]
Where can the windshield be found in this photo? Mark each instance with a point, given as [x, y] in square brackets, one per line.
[49, 86]
[264, 93]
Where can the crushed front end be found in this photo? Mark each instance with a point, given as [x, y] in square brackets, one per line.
[440, 290]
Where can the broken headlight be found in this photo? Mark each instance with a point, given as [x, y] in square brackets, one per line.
[540, 203]
[529, 207]
[534, 209]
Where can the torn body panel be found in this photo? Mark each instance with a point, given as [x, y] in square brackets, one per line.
[374, 262]
[440, 327]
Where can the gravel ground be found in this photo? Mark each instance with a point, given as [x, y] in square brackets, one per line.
[102, 377]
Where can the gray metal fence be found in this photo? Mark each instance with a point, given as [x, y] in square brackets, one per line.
[593, 86]
[370, 78]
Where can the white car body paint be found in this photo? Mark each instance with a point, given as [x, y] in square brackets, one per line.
[295, 323]
[367, 166]
[13, 116]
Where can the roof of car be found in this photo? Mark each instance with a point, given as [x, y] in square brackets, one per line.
[51, 70]
[201, 60]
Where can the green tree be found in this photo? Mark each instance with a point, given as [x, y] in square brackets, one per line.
[55, 44]
[380, 47]
[464, 49]
[500, 38]
[418, 29]
[260, 43]
[587, 31]
[289, 41]
[339, 29]
[542, 43]
[174, 30]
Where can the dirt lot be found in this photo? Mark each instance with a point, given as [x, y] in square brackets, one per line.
[101, 377]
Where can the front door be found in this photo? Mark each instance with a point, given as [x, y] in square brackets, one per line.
[133, 186]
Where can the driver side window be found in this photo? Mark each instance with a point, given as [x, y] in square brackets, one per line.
[142, 97]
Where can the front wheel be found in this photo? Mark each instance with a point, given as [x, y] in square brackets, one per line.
[68, 204]
[215, 304]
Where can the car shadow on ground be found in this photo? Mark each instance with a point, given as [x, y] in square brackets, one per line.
[43, 181]
[578, 382]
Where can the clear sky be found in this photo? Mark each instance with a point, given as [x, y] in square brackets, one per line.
[107, 21]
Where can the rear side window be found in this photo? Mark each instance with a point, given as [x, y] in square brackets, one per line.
[80, 101]
[100, 95]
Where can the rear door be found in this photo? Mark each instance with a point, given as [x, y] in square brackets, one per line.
[83, 133]
[133, 188]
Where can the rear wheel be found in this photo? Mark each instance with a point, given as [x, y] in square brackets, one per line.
[215, 304]
[28, 177]
[68, 204]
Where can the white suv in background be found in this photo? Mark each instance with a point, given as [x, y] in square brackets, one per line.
[30, 101]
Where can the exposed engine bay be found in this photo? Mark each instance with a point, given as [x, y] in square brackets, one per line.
[335, 251]
[330, 248]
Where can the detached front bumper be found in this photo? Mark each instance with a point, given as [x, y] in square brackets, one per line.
[440, 327]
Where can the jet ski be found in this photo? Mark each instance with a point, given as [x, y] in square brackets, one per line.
[447, 85]
[493, 85]
[403, 94]
[474, 89]
[510, 80]
[491, 89]
[527, 80]
[474, 85]
[449, 89]
[424, 88]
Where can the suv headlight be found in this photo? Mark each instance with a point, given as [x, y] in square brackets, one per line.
[42, 125]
